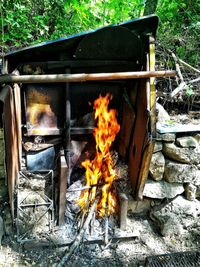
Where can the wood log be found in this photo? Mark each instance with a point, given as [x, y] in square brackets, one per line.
[80, 236]
[63, 169]
[123, 210]
[83, 77]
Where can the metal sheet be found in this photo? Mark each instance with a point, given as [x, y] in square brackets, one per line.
[44, 108]
[11, 141]
[140, 134]
[41, 160]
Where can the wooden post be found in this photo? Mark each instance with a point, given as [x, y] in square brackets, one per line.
[62, 190]
[123, 211]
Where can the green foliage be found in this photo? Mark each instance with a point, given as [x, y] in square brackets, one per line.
[28, 22]
[179, 28]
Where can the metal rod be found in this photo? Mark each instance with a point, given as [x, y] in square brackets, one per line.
[67, 147]
[83, 77]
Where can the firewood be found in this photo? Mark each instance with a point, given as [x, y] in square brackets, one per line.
[79, 237]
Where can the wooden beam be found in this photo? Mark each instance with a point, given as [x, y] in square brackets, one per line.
[63, 188]
[83, 77]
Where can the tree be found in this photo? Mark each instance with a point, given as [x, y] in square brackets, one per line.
[150, 7]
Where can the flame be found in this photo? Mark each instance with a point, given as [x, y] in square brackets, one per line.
[99, 171]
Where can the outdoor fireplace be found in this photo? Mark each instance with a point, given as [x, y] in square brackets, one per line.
[49, 118]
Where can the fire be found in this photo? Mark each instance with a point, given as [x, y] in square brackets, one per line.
[99, 171]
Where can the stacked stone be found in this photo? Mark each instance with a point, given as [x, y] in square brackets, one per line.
[175, 167]
[175, 176]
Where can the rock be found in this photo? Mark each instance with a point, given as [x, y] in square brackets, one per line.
[139, 206]
[172, 217]
[158, 147]
[180, 173]
[198, 192]
[186, 141]
[157, 166]
[197, 138]
[190, 191]
[183, 155]
[1, 229]
[162, 113]
[162, 189]
[73, 196]
[168, 137]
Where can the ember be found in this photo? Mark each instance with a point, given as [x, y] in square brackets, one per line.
[99, 171]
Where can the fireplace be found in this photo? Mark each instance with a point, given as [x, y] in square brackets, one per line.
[49, 123]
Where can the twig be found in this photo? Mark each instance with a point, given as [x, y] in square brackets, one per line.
[85, 187]
[181, 86]
[188, 65]
[177, 67]
[79, 237]
[195, 80]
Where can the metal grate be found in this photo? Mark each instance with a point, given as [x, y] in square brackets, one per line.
[180, 259]
[35, 211]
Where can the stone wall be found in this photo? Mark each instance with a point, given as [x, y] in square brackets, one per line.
[175, 167]
[173, 186]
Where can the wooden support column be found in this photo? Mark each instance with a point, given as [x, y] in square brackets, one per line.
[63, 169]
[123, 211]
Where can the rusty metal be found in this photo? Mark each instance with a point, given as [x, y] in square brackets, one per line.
[43, 109]
[128, 118]
[83, 77]
[11, 141]
[178, 259]
[140, 135]
[23, 218]
[52, 241]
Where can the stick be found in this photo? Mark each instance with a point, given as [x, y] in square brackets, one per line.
[178, 89]
[188, 65]
[177, 67]
[79, 237]
[83, 77]
[86, 187]
[195, 80]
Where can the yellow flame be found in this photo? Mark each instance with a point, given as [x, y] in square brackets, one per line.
[100, 169]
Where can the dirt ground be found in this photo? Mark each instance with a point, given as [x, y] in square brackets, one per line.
[126, 253]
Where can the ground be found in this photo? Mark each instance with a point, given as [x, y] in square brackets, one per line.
[129, 253]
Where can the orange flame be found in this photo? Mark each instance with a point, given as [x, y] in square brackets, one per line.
[100, 169]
